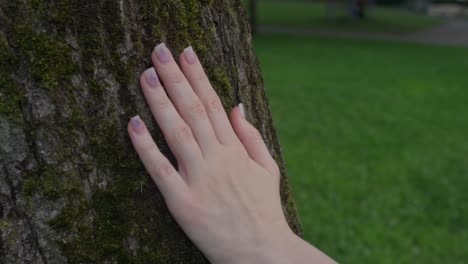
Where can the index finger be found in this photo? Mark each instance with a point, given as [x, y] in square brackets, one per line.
[183, 97]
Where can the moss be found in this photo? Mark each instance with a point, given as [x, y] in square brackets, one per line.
[185, 11]
[111, 224]
[105, 143]
[222, 84]
[4, 224]
[11, 95]
[50, 182]
[103, 46]
[61, 12]
[180, 18]
[90, 39]
[50, 59]
[62, 221]
[73, 220]
[57, 13]
[151, 18]
[121, 65]
[101, 242]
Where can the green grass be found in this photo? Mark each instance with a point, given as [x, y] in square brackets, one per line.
[306, 14]
[375, 137]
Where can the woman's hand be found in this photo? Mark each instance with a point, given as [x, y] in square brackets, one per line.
[225, 191]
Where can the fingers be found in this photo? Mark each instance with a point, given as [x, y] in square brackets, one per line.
[190, 108]
[252, 141]
[196, 76]
[178, 135]
[168, 180]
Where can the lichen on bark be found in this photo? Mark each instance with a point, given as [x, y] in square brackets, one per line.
[71, 187]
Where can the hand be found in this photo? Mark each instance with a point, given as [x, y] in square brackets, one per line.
[225, 191]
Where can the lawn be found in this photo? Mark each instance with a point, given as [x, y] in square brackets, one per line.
[375, 137]
[307, 14]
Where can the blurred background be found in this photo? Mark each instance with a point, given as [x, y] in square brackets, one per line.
[370, 99]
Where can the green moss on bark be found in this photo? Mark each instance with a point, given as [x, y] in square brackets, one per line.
[11, 95]
[221, 83]
[51, 183]
[49, 58]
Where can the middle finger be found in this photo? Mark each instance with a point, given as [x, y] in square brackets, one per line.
[183, 97]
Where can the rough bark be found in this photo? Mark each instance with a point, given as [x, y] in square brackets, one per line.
[71, 186]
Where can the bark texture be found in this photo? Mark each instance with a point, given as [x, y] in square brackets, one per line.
[71, 186]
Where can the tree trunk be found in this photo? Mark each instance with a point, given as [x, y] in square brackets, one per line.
[72, 188]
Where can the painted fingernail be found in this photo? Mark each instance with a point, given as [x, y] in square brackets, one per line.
[137, 124]
[151, 77]
[242, 109]
[190, 55]
[162, 52]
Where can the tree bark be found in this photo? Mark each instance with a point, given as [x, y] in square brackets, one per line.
[72, 188]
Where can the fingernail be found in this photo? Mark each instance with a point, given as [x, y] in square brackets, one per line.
[162, 52]
[190, 55]
[151, 78]
[137, 124]
[242, 109]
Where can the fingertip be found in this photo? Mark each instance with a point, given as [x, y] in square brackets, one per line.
[129, 128]
[136, 125]
[183, 60]
[182, 57]
[242, 110]
[162, 54]
[237, 114]
[154, 59]
[142, 79]
[252, 140]
[190, 55]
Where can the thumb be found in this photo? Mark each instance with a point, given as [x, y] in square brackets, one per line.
[252, 140]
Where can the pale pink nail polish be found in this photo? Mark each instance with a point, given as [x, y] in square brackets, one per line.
[151, 77]
[190, 55]
[162, 52]
[137, 124]
[242, 109]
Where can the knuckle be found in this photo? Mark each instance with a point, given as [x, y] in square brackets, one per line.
[183, 133]
[213, 104]
[200, 76]
[275, 169]
[164, 167]
[197, 109]
[193, 212]
[177, 79]
[236, 150]
[254, 135]
[163, 102]
[147, 149]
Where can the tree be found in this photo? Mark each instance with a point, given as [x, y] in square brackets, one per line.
[71, 186]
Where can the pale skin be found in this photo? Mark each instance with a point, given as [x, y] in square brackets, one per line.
[225, 192]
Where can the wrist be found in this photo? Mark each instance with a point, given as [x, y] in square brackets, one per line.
[270, 248]
[282, 247]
